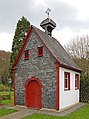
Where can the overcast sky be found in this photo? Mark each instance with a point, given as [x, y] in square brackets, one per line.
[71, 17]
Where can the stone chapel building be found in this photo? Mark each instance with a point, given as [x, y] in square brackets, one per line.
[44, 74]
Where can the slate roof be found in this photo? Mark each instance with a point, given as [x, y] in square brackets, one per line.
[54, 47]
[47, 21]
[57, 50]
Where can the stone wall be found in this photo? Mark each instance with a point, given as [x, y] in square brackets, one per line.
[43, 68]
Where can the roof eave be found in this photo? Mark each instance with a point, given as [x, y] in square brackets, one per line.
[71, 68]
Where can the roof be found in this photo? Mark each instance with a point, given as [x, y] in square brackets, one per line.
[47, 21]
[55, 49]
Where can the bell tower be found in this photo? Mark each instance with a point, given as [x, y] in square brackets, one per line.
[48, 24]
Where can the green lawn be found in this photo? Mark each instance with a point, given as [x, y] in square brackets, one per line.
[82, 113]
[4, 112]
[11, 101]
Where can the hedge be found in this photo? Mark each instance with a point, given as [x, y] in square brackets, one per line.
[84, 89]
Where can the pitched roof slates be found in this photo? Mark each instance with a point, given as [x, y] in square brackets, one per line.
[57, 50]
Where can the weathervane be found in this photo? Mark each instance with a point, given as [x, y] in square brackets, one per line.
[48, 11]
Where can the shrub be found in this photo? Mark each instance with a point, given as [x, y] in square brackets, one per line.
[4, 96]
[3, 87]
[84, 89]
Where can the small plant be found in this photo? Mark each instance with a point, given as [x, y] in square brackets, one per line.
[0, 101]
[3, 88]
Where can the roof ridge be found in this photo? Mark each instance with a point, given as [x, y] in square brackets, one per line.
[54, 45]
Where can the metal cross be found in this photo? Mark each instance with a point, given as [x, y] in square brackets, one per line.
[48, 11]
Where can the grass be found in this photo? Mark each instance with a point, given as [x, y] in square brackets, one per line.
[11, 101]
[4, 111]
[82, 113]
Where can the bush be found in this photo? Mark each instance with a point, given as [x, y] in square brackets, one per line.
[6, 88]
[84, 89]
[3, 87]
[4, 96]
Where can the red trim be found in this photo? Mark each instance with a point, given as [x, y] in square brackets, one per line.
[57, 86]
[68, 81]
[24, 44]
[40, 51]
[62, 65]
[77, 81]
[71, 68]
[14, 71]
[22, 48]
[33, 79]
[26, 86]
[26, 54]
[45, 45]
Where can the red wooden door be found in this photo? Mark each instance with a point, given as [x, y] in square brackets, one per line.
[34, 95]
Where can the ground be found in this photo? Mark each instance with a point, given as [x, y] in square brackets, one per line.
[4, 111]
[82, 113]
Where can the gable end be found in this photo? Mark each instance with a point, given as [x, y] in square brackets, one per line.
[24, 44]
[22, 48]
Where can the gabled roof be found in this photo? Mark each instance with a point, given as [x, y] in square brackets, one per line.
[54, 48]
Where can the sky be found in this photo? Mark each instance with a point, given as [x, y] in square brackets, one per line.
[71, 17]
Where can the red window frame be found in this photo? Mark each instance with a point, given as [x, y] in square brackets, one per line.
[40, 51]
[26, 54]
[66, 81]
[77, 81]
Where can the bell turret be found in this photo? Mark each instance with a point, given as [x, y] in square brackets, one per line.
[48, 24]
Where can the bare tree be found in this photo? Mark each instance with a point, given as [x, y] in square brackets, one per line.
[78, 47]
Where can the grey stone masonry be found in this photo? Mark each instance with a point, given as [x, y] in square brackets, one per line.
[43, 68]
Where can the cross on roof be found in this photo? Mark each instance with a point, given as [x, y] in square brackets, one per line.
[48, 11]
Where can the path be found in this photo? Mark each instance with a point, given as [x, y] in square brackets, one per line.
[18, 115]
[24, 111]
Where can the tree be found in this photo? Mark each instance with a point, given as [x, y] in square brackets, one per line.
[20, 34]
[4, 64]
[78, 47]
[83, 65]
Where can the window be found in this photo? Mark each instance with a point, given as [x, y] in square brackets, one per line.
[40, 51]
[26, 54]
[66, 81]
[77, 81]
